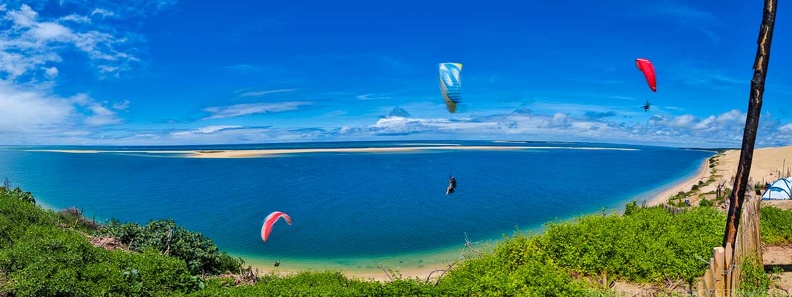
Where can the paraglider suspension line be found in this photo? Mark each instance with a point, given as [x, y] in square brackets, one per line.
[453, 142]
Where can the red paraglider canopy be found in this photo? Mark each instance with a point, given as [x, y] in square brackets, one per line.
[648, 70]
[270, 220]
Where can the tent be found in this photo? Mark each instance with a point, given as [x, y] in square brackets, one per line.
[780, 189]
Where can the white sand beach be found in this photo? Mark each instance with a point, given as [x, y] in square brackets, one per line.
[702, 175]
[766, 165]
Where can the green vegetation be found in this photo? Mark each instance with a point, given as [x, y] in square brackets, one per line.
[648, 245]
[164, 236]
[775, 225]
[755, 281]
[44, 253]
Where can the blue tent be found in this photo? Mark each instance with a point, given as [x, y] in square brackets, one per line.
[780, 189]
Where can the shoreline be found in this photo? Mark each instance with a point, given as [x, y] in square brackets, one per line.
[420, 265]
[377, 274]
[702, 175]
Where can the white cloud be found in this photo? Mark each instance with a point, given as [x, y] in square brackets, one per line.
[101, 116]
[260, 93]
[786, 129]
[559, 120]
[121, 105]
[51, 72]
[48, 31]
[682, 121]
[403, 125]
[30, 40]
[31, 110]
[371, 97]
[34, 112]
[102, 13]
[24, 17]
[75, 18]
[683, 130]
[252, 108]
[204, 130]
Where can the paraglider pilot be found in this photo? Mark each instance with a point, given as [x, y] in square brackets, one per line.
[451, 185]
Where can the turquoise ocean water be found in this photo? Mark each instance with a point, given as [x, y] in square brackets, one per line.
[351, 210]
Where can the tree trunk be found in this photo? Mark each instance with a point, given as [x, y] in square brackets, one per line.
[751, 122]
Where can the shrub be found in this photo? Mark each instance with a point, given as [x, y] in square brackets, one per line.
[164, 236]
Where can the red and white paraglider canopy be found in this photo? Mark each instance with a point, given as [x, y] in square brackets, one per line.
[270, 220]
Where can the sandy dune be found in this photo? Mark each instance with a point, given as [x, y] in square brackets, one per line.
[766, 165]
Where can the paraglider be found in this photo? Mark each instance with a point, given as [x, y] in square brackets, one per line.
[270, 220]
[646, 67]
[451, 84]
[450, 89]
[648, 71]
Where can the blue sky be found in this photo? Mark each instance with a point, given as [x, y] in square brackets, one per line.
[205, 72]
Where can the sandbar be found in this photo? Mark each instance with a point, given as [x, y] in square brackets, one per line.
[267, 152]
[254, 153]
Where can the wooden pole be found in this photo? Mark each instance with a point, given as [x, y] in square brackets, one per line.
[751, 122]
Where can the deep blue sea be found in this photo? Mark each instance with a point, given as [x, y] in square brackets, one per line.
[350, 209]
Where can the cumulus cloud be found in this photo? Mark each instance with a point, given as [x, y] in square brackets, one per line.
[33, 42]
[29, 110]
[30, 39]
[250, 109]
[101, 116]
[559, 120]
[719, 130]
[51, 72]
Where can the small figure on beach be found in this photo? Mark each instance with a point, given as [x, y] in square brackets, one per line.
[277, 263]
[451, 185]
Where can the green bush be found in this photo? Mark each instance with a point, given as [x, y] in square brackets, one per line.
[518, 267]
[41, 254]
[197, 251]
[648, 245]
[47, 261]
[17, 193]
